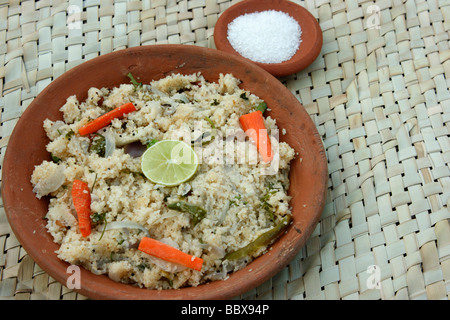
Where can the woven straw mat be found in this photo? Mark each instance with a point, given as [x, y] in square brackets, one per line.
[378, 94]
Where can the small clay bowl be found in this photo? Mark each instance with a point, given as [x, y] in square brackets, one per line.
[26, 148]
[311, 36]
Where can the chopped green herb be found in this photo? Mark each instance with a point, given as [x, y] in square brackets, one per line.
[151, 142]
[236, 200]
[265, 200]
[269, 209]
[213, 127]
[142, 266]
[55, 159]
[69, 134]
[261, 107]
[97, 218]
[137, 85]
[210, 122]
[98, 145]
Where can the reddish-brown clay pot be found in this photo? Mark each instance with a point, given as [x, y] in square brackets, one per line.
[26, 149]
[310, 46]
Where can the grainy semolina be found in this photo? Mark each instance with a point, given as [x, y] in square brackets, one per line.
[241, 202]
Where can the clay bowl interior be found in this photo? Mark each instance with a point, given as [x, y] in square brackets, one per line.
[311, 33]
[26, 149]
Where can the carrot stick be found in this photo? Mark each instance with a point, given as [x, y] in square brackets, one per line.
[168, 253]
[81, 198]
[106, 119]
[253, 125]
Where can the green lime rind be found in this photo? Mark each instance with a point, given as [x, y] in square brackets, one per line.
[169, 163]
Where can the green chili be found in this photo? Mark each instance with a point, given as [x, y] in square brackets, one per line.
[197, 213]
[263, 240]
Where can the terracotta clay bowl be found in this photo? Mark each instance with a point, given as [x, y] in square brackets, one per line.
[311, 33]
[26, 149]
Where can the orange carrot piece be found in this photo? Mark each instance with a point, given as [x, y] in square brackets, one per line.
[106, 119]
[168, 253]
[253, 125]
[81, 198]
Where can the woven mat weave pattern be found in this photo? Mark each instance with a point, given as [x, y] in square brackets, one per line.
[378, 94]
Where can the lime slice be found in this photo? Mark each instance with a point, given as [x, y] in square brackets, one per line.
[169, 162]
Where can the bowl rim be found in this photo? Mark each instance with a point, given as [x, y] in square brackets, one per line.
[300, 60]
[216, 288]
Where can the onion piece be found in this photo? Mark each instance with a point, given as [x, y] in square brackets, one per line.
[126, 139]
[224, 213]
[51, 183]
[84, 144]
[110, 142]
[126, 225]
[158, 92]
[171, 110]
[147, 87]
[167, 215]
[135, 149]
[215, 250]
[181, 97]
